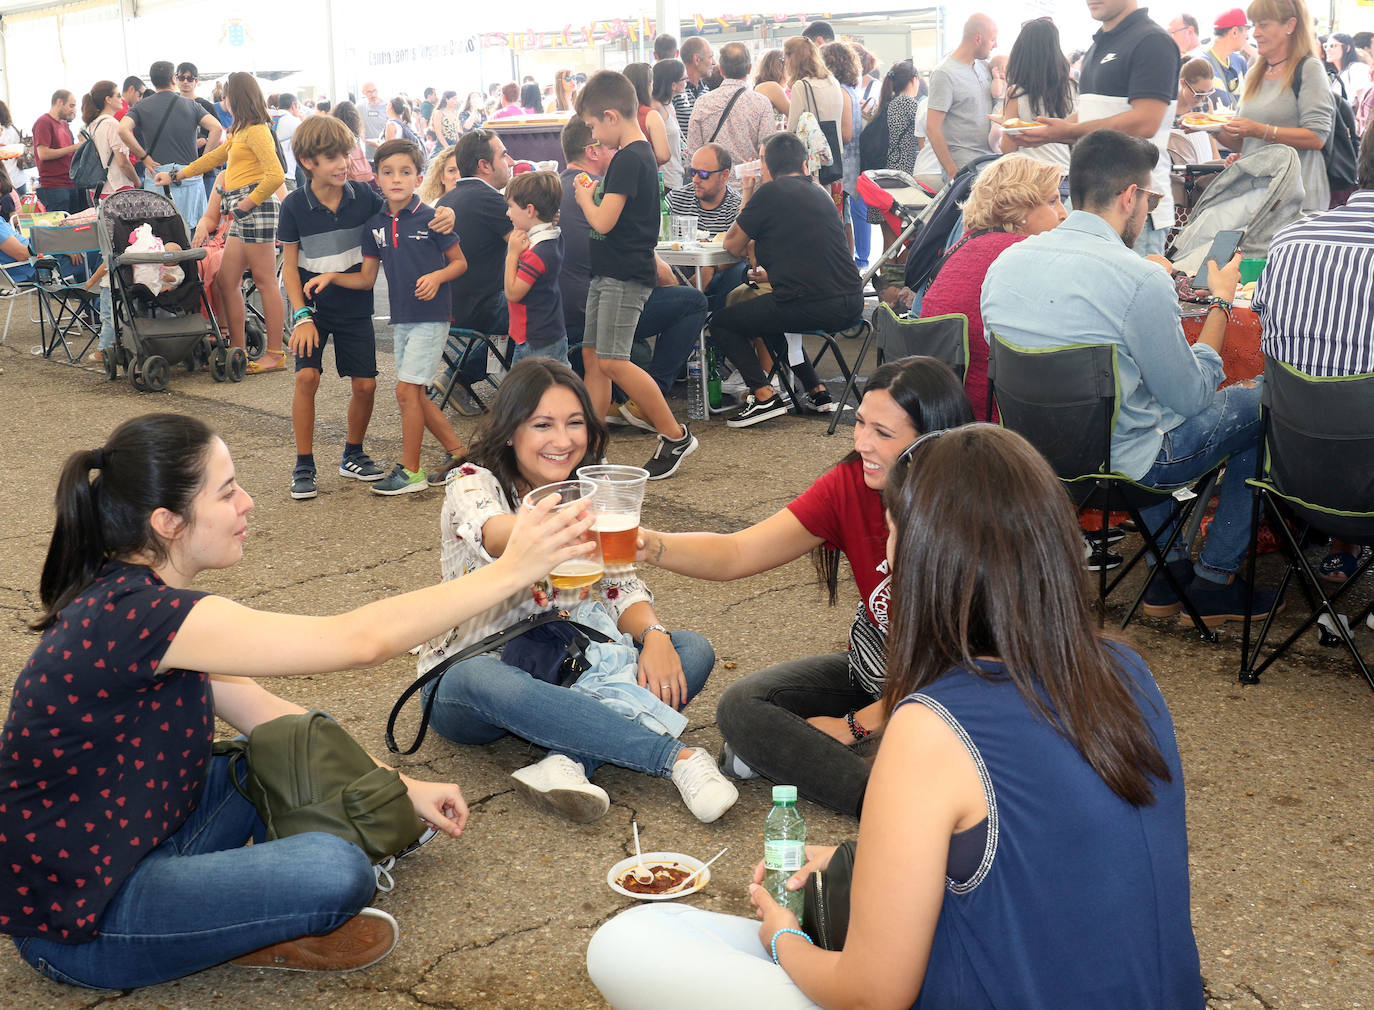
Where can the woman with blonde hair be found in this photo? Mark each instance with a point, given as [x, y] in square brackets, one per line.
[815, 90]
[1286, 99]
[769, 81]
[1014, 198]
[441, 176]
[251, 179]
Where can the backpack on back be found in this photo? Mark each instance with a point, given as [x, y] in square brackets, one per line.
[873, 143]
[87, 170]
[1341, 149]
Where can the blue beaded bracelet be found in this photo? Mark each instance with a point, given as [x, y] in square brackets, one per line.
[774, 944]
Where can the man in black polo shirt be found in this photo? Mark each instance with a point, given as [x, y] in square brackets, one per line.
[480, 221]
[1129, 83]
[799, 240]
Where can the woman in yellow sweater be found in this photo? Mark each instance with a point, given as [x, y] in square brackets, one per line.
[250, 181]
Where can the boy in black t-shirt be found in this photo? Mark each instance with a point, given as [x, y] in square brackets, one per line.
[623, 211]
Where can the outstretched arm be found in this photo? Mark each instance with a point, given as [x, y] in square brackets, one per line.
[722, 557]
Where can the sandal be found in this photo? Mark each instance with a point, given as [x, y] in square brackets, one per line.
[1338, 566]
[267, 363]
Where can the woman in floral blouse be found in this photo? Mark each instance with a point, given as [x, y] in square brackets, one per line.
[540, 430]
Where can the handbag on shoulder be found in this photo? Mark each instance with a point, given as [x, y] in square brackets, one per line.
[825, 900]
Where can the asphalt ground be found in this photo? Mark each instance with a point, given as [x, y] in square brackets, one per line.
[1278, 775]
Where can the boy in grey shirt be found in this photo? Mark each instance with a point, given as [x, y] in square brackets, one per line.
[957, 124]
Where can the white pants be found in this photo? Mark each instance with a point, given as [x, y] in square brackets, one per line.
[675, 957]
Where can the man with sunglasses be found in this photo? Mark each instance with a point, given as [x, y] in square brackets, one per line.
[1080, 284]
[715, 206]
[187, 79]
[161, 131]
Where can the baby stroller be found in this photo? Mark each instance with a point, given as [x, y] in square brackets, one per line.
[902, 201]
[155, 331]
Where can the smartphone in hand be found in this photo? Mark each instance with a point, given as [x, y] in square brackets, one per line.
[1224, 247]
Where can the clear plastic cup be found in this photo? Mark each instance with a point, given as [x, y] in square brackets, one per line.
[618, 497]
[586, 570]
[682, 227]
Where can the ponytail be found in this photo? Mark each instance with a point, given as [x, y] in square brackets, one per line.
[402, 109]
[897, 79]
[106, 497]
[93, 102]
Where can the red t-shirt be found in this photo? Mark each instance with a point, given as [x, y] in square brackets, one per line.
[847, 514]
[959, 288]
[49, 132]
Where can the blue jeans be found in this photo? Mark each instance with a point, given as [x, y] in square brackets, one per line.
[1227, 430]
[202, 898]
[675, 315]
[481, 699]
[863, 231]
[107, 330]
[558, 351]
[725, 280]
[1151, 239]
[189, 195]
[54, 199]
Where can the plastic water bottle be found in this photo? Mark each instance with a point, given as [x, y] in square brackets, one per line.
[665, 227]
[712, 378]
[784, 848]
[696, 401]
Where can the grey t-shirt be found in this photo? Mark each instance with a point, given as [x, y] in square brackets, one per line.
[1312, 108]
[964, 94]
[374, 120]
[176, 143]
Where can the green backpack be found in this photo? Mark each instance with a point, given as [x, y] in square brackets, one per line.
[305, 773]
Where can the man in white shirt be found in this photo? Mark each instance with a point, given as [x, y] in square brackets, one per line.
[287, 122]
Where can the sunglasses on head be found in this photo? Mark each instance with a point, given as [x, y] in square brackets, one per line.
[705, 173]
[905, 457]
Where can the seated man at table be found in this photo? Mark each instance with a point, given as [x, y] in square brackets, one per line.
[673, 313]
[1081, 284]
[798, 239]
[715, 206]
[1318, 319]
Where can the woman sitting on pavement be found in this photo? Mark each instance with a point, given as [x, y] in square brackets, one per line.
[799, 722]
[1013, 198]
[1024, 842]
[540, 430]
[127, 837]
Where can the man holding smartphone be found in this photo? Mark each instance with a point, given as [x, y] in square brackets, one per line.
[1081, 284]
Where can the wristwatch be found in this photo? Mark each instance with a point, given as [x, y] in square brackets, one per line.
[652, 627]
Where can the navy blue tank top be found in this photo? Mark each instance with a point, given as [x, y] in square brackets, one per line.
[1080, 899]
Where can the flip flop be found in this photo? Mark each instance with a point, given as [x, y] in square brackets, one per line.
[258, 367]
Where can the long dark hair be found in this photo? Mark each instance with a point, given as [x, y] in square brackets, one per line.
[6, 120]
[933, 398]
[93, 102]
[347, 113]
[989, 562]
[1038, 71]
[518, 398]
[531, 97]
[897, 79]
[1347, 44]
[402, 109]
[666, 74]
[641, 76]
[152, 462]
[245, 101]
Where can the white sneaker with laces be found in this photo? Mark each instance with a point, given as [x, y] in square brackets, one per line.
[707, 792]
[559, 783]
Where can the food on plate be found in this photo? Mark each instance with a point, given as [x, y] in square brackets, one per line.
[1204, 120]
[1021, 124]
[667, 876]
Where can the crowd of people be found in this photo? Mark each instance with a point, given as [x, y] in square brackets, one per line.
[1006, 695]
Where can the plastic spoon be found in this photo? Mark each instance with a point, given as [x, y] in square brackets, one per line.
[638, 871]
[683, 886]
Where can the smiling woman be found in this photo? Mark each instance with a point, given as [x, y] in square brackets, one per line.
[123, 881]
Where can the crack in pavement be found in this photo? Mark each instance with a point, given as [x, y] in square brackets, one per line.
[357, 570]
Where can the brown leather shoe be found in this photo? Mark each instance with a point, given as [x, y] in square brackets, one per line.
[361, 941]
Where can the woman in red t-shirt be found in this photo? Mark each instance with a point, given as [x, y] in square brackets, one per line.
[798, 722]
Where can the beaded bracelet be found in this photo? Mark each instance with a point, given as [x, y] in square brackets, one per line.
[773, 947]
[1220, 303]
[856, 728]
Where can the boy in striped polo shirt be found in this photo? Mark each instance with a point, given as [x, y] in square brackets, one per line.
[534, 260]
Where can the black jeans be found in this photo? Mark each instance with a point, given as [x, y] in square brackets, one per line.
[763, 718]
[735, 325]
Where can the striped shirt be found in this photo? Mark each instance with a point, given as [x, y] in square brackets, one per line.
[684, 101]
[331, 242]
[1315, 297]
[715, 220]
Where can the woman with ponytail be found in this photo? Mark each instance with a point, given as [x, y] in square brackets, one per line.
[125, 834]
[98, 108]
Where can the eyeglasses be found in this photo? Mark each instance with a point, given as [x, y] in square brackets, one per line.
[1175, 31]
[905, 457]
[705, 173]
[188, 78]
[1200, 94]
[1152, 198]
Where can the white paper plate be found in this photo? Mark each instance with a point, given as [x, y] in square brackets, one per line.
[650, 858]
[1012, 131]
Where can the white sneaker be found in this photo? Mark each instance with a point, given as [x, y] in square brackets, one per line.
[559, 783]
[734, 385]
[707, 792]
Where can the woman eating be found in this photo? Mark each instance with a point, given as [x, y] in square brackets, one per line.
[1024, 843]
[540, 430]
[803, 721]
[127, 835]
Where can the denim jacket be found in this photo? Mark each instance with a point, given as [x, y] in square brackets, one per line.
[1079, 284]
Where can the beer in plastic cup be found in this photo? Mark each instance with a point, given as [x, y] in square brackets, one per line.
[618, 497]
[573, 494]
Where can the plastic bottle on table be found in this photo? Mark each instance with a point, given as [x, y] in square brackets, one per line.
[696, 401]
[784, 848]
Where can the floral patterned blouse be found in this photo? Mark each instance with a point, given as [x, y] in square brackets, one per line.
[473, 497]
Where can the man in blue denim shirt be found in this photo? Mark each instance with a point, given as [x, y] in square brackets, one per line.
[1082, 284]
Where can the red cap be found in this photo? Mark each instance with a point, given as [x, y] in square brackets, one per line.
[1234, 18]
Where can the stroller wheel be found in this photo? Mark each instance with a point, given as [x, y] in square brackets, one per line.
[219, 364]
[136, 376]
[156, 372]
[254, 336]
[238, 364]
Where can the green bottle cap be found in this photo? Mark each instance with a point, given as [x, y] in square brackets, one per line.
[784, 794]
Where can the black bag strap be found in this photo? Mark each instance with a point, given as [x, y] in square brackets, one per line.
[968, 236]
[725, 115]
[157, 134]
[491, 643]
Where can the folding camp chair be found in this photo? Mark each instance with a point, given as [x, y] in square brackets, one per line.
[1063, 400]
[463, 346]
[64, 307]
[11, 291]
[1318, 468]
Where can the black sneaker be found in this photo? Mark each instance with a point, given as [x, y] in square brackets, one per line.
[441, 473]
[670, 454]
[1218, 602]
[819, 402]
[1100, 559]
[756, 410]
[1160, 600]
[360, 466]
[303, 483]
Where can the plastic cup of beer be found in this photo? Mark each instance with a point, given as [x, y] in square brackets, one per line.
[577, 495]
[618, 498]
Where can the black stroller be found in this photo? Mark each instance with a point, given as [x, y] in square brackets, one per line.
[155, 331]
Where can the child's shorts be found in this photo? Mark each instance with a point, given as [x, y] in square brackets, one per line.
[419, 349]
[260, 224]
[355, 348]
[613, 308]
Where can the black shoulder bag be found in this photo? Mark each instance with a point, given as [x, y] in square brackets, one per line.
[825, 900]
[549, 646]
[834, 171]
[1340, 151]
